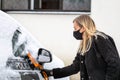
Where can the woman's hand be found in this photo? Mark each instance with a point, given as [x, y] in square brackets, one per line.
[48, 72]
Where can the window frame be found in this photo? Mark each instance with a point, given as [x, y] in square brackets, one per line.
[32, 10]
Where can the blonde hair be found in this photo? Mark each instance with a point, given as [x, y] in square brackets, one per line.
[90, 30]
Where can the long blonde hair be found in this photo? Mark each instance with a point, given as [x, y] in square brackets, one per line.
[90, 30]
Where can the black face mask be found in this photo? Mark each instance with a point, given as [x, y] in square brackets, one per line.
[77, 35]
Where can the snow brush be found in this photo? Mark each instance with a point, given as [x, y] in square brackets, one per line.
[37, 65]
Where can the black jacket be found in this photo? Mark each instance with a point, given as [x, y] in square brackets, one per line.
[102, 61]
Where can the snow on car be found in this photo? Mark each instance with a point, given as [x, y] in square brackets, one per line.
[15, 43]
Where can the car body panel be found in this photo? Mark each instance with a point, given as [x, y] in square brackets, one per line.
[9, 60]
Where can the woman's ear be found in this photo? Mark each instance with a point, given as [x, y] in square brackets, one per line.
[82, 30]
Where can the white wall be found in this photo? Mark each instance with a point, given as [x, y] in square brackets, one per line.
[106, 14]
[55, 31]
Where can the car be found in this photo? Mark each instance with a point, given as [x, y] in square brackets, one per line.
[15, 45]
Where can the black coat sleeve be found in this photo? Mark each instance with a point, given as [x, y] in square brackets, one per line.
[68, 70]
[108, 50]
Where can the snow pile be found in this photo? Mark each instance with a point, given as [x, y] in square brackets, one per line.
[8, 74]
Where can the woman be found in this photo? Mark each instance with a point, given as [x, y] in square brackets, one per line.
[97, 57]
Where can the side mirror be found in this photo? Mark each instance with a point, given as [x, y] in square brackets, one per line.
[44, 56]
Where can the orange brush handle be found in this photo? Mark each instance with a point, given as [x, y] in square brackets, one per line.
[37, 65]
